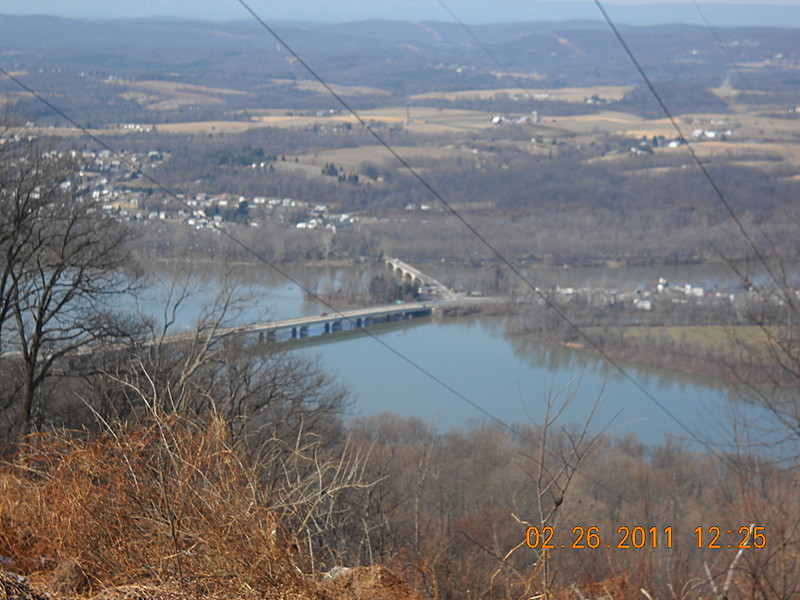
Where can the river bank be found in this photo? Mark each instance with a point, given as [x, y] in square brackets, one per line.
[659, 348]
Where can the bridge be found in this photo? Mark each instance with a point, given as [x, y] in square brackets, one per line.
[415, 276]
[324, 323]
[300, 327]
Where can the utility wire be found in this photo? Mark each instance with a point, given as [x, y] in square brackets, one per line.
[722, 47]
[729, 57]
[491, 54]
[427, 186]
[744, 278]
[700, 164]
[514, 431]
[445, 203]
[584, 336]
[258, 256]
[477, 40]
[717, 190]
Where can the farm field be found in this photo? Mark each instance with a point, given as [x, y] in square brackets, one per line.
[353, 158]
[341, 90]
[567, 94]
[169, 95]
[711, 338]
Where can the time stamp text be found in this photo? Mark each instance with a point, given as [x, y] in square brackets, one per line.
[713, 537]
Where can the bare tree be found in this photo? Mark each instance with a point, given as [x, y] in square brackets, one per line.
[555, 457]
[214, 368]
[63, 261]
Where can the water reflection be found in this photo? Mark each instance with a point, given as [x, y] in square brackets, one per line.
[509, 377]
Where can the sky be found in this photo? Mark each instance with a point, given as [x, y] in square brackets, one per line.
[720, 12]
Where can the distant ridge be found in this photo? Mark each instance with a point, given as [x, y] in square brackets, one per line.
[475, 11]
[719, 15]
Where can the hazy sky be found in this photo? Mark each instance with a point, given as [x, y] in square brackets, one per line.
[344, 10]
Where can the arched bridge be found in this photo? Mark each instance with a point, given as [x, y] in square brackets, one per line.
[417, 277]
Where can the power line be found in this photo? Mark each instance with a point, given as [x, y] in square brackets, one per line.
[254, 253]
[491, 54]
[425, 184]
[494, 58]
[333, 309]
[503, 68]
[562, 315]
[658, 97]
[750, 242]
[729, 57]
[700, 164]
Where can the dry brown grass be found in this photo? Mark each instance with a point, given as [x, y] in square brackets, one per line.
[170, 503]
[369, 583]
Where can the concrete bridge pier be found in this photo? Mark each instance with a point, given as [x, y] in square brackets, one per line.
[267, 336]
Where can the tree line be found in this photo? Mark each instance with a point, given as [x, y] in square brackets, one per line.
[551, 198]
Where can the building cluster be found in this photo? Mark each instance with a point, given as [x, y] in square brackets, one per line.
[516, 120]
[712, 134]
[320, 217]
[115, 181]
[663, 294]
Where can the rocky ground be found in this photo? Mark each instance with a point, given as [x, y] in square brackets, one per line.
[360, 583]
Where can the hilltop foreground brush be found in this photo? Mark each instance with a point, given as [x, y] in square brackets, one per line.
[168, 509]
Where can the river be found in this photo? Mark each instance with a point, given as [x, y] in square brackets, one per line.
[457, 372]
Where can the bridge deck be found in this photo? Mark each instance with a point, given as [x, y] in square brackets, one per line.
[353, 316]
